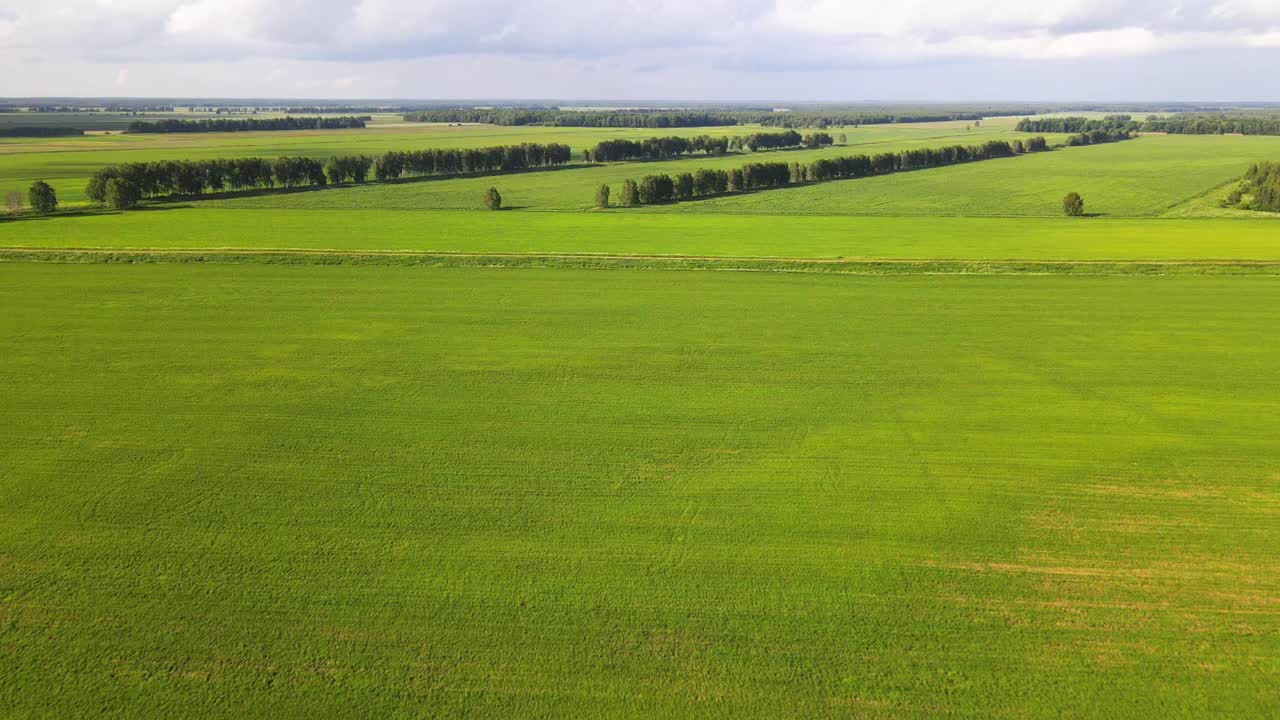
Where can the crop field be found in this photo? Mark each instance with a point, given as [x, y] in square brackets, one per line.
[906, 446]
[313, 491]
[645, 233]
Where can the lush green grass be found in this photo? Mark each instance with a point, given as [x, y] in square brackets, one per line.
[661, 234]
[1141, 177]
[234, 491]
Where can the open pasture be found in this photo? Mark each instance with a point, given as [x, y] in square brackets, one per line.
[305, 492]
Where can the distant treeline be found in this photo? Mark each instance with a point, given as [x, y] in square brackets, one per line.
[208, 125]
[1199, 124]
[1215, 125]
[662, 148]
[653, 189]
[1074, 124]
[22, 131]
[196, 177]
[1098, 137]
[502, 158]
[674, 118]
[1260, 189]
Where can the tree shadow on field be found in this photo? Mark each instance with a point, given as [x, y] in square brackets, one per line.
[152, 208]
[28, 216]
[88, 212]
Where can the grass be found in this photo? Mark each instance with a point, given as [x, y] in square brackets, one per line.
[320, 491]
[1136, 178]
[657, 234]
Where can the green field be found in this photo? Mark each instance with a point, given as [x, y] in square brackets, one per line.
[911, 446]
[620, 232]
[398, 491]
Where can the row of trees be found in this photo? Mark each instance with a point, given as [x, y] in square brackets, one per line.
[704, 118]
[657, 148]
[196, 177]
[187, 177]
[1075, 124]
[663, 148]
[499, 158]
[1098, 137]
[208, 125]
[653, 189]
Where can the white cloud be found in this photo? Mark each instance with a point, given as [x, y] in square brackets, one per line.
[723, 35]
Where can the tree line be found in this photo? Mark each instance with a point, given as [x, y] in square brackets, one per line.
[1098, 137]
[1075, 124]
[499, 158]
[196, 177]
[697, 118]
[1215, 124]
[1259, 190]
[654, 189]
[208, 125]
[1188, 124]
[29, 131]
[663, 148]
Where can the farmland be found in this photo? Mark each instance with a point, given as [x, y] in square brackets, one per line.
[905, 446]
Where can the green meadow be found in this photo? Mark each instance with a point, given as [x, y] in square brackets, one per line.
[372, 451]
[651, 233]
[307, 492]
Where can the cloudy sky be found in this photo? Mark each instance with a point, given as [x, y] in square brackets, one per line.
[645, 49]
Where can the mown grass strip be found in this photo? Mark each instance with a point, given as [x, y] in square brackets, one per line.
[644, 262]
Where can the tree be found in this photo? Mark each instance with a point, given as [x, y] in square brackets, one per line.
[684, 186]
[42, 197]
[737, 180]
[630, 193]
[602, 196]
[492, 199]
[656, 189]
[122, 194]
[13, 200]
[1073, 205]
[844, 139]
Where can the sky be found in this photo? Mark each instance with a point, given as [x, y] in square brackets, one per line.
[690, 50]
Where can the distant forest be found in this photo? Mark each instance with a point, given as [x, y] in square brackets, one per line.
[1190, 124]
[244, 124]
[708, 118]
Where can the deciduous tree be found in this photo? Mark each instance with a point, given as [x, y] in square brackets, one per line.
[42, 197]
